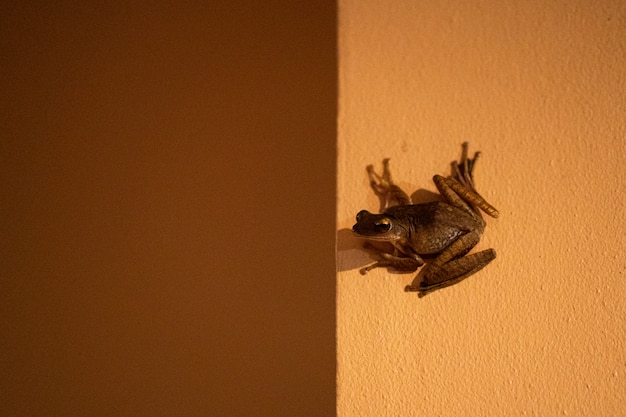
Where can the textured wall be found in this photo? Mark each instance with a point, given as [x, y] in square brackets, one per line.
[540, 90]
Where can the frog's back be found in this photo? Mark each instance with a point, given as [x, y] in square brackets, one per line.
[433, 226]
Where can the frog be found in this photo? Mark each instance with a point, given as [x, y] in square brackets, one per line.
[442, 231]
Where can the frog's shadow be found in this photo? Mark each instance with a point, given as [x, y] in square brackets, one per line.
[422, 196]
[351, 253]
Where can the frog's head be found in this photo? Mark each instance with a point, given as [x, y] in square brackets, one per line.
[377, 227]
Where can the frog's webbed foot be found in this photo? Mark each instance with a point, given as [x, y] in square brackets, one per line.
[399, 263]
[452, 267]
[459, 190]
[463, 171]
[383, 186]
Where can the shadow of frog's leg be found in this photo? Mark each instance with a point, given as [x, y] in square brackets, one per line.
[451, 267]
[383, 186]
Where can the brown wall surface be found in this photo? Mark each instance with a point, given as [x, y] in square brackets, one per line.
[167, 214]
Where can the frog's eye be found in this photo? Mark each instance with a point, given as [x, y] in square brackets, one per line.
[383, 224]
[360, 215]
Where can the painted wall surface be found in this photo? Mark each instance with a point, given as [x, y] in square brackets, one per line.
[539, 89]
[160, 254]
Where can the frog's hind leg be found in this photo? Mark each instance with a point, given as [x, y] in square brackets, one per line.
[459, 190]
[389, 193]
[451, 266]
[468, 265]
[463, 170]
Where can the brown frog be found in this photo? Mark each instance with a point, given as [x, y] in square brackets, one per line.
[447, 229]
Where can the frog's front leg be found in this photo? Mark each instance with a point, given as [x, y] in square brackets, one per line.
[409, 263]
[451, 266]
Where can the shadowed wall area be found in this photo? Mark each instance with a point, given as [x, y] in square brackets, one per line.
[168, 209]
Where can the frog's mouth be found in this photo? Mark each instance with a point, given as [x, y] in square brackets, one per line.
[368, 234]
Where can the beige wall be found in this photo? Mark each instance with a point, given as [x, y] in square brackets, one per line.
[538, 87]
[167, 208]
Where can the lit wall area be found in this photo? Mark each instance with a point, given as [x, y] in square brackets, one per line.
[538, 88]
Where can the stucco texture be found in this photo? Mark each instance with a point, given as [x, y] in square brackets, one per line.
[539, 89]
